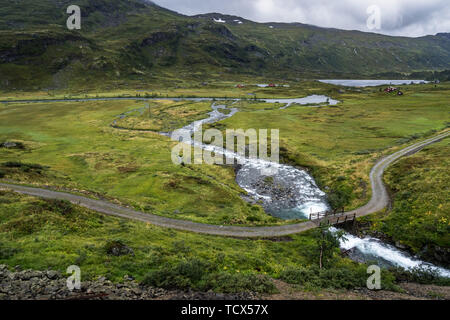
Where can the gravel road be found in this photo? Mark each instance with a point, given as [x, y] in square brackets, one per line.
[379, 201]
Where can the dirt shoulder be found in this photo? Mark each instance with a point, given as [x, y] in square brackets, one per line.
[411, 291]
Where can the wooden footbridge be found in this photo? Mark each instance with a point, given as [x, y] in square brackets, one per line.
[332, 217]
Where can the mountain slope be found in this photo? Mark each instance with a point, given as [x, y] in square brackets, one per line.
[138, 40]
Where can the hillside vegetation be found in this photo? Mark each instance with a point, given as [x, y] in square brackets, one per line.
[136, 41]
[419, 219]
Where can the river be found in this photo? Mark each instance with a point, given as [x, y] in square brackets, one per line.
[293, 194]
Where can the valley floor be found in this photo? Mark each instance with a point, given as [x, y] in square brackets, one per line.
[73, 147]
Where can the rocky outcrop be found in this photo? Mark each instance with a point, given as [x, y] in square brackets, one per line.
[52, 285]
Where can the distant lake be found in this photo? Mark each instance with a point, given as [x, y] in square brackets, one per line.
[371, 83]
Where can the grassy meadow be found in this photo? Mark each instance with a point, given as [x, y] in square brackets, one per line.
[72, 146]
[42, 234]
[420, 215]
[81, 152]
[338, 145]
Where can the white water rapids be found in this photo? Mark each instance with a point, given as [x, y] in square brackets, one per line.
[372, 249]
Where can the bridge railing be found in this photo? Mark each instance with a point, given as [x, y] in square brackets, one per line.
[332, 217]
[325, 214]
[334, 221]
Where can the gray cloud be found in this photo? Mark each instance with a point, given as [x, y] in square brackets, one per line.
[398, 17]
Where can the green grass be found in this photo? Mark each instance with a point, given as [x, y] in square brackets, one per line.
[339, 144]
[71, 146]
[43, 234]
[420, 217]
[82, 153]
[123, 43]
[165, 116]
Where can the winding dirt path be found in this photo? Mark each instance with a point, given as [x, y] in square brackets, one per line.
[379, 201]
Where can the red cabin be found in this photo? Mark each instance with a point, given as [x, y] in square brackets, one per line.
[390, 89]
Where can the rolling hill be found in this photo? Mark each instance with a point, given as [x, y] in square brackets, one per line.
[136, 40]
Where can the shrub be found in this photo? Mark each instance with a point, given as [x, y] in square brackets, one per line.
[239, 282]
[118, 248]
[12, 164]
[6, 253]
[420, 275]
[186, 274]
[25, 167]
[201, 275]
[63, 207]
[340, 196]
[336, 278]
[346, 277]
[253, 219]
[2, 174]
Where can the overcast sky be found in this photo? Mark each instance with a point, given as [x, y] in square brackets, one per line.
[398, 17]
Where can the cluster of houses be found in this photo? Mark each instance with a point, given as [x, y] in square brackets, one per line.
[393, 89]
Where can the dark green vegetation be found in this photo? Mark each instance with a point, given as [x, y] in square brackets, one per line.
[43, 234]
[133, 43]
[337, 278]
[420, 217]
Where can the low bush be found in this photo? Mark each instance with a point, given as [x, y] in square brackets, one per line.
[421, 275]
[201, 275]
[6, 253]
[183, 275]
[13, 164]
[253, 219]
[313, 277]
[63, 207]
[239, 282]
[341, 195]
[118, 248]
[25, 167]
[348, 277]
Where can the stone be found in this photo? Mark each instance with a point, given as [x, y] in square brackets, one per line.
[117, 248]
[47, 285]
[399, 245]
[52, 274]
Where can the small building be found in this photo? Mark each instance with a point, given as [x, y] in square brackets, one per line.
[272, 85]
[390, 89]
[240, 86]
